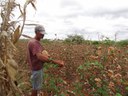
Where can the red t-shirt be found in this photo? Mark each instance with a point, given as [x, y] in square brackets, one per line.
[34, 47]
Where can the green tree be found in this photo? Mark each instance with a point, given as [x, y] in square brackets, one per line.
[75, 39]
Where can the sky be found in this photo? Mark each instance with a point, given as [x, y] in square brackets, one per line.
[92, 19]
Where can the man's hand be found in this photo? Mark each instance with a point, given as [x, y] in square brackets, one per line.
[46, 57]
[59, 62]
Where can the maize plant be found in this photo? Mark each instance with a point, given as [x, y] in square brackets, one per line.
[10, 32]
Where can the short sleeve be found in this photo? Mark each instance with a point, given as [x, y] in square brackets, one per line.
[35, 48]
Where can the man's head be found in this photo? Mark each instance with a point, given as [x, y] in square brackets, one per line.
[39, 31]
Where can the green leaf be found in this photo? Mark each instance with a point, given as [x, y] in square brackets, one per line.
[118, 94]
[126, 88]
[80, 67]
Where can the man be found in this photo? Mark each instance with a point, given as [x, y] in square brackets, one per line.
[36, 57]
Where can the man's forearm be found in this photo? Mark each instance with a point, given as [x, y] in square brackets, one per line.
[58, 62]
[49, 59]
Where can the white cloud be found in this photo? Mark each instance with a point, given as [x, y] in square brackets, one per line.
[63, 17]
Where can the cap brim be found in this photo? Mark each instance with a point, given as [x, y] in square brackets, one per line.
[43, 32]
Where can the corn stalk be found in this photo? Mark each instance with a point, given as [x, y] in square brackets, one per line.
[10, 32]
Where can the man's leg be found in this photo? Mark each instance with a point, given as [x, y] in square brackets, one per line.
[34, 93]
[36, 80]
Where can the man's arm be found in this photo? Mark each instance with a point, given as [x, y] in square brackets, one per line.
[48, 59]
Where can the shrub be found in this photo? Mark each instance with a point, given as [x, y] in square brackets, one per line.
[108, 42]
[122, 42]
[75, 39]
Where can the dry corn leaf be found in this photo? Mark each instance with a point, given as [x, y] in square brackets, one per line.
[2, 73]
[21, 15]
[11, 72]
[7, 28]
[20, 8]
[27, 2]
[3, 34]
[13, 63]
[9, 93]
[24, 84]
[3, 78]
[1, 63]
[16, 34]
[26, 36]
[11, 43]
[13, 23]
[12, 67]
[33, 5]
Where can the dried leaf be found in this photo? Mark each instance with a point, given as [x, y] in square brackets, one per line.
[30, 24]
[16, 34]
[3, 34]
[13, 23]
[13, 63]
[71, 93]
[26, 36]
[20, 8]
[23, 84]
[33, 5]
[3, 78]
[1, 63]
[11, 43]
[97, 79]
[22, 13]
[28, 2]
[12, 67]
[110, 73]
